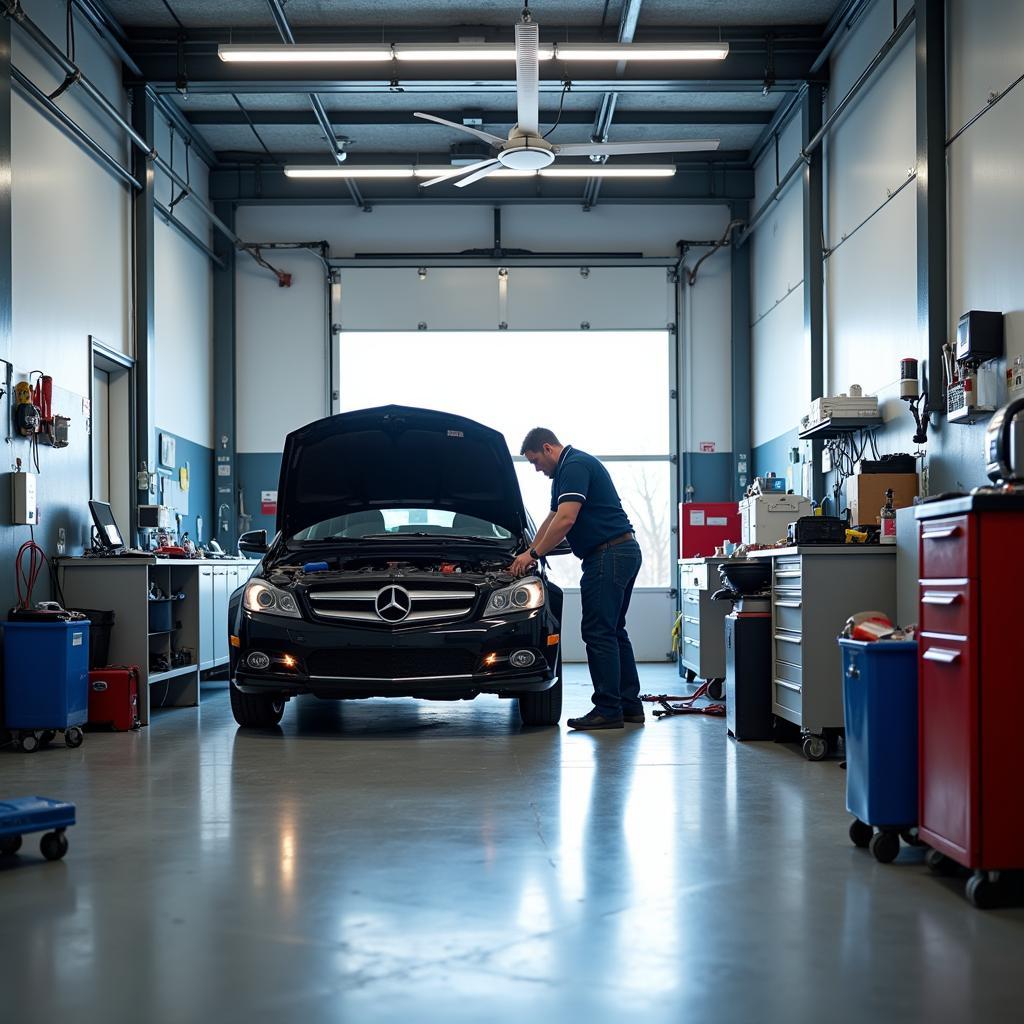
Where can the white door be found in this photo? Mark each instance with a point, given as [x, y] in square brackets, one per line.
[101, 436]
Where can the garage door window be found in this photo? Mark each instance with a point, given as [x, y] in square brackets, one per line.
[605, 391]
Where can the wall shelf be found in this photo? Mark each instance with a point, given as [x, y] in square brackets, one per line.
[836, 426]
[171, 673]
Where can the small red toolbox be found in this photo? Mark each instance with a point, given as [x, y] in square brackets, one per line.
[114, 697]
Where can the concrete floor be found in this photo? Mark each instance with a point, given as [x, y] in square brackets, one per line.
[387, 861]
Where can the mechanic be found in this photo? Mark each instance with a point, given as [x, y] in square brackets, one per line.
[586, 511]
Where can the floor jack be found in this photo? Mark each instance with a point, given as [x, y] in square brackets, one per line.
[686, 705]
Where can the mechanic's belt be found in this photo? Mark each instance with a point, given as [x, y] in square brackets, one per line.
[614, 542]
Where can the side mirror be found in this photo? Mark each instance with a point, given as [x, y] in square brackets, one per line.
[253, 543]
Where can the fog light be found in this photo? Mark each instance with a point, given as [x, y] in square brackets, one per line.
[490, 660]
[522, 659]
[258, 660]
[288, 661]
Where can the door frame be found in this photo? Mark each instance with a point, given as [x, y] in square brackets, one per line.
[109, 360]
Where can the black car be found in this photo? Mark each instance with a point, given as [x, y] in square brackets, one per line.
[388, 574]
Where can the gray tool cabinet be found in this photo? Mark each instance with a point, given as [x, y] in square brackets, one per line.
[702, 630]
[815, 589]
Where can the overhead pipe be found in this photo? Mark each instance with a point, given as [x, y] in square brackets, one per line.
[101, 23]
[168, 218]
[819, 136]
[74, 128]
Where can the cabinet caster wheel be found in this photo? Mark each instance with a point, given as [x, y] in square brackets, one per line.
[860, 833]
[939, 863]
[885, 846]
[910, 837]
[983, 892]
[28, 742]
[73, 737]
[9, 846]
[716, 689]
[53, 845]
[690, 675]
[47, 737]
[815, 748]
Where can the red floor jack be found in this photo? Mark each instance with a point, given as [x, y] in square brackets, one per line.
[686, 705]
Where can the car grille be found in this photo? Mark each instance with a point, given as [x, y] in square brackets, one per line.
[391, 664]
[424, 601]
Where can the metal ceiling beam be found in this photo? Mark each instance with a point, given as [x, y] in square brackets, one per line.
[606, 112]
[285, 31]
[405, 119]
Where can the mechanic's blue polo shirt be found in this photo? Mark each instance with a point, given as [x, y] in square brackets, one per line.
[581, 477]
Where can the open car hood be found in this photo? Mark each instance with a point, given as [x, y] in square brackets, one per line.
[397, 457]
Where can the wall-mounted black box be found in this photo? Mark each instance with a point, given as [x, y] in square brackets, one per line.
[979, 336]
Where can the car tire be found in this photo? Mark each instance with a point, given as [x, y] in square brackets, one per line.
[544, 708]
[256, 710]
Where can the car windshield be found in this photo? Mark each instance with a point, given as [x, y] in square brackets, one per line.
[399, 522]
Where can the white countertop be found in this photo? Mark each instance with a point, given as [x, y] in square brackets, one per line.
[826, 549]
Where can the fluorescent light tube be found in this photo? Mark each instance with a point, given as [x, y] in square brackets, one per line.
[502, 172]
[604, 171]
[303, 53]
[641, 51]
[348, 172]
[463, 52]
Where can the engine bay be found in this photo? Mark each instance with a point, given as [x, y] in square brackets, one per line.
[330, 570]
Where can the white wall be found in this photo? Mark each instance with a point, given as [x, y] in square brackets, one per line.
[871, 284]
[71, 218]
[183, 303]
[273, 320]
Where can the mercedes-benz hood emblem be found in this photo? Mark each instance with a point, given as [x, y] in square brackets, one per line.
[393, 604]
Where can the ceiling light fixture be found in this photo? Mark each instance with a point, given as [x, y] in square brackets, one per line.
[348, 172]
[344, 53]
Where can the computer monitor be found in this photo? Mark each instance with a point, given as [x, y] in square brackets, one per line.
[109, 535]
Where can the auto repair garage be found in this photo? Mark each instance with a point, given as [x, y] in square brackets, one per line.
[505, 510]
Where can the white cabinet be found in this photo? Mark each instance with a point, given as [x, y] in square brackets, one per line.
[206, 656]
[220, 615]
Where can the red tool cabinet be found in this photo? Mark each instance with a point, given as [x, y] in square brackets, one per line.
[971, 682]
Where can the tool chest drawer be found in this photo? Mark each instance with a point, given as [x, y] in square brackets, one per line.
[691, 626]
[788, 616]
[788, 671]
[787, 572]
[948, 548]
[788, 647]
[789, 697]
[947, 608]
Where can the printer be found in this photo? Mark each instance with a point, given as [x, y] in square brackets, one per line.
[767, 511]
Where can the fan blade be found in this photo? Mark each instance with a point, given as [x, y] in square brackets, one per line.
[527, 75]
[493, 166]
[486, 136]
[456, 171]
[615, 148]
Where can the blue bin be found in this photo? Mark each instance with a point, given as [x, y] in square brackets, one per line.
[46, 674]
[880, 703]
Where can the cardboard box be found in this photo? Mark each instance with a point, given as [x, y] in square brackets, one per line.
[865, 495]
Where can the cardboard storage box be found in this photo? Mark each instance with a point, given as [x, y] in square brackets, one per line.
[865, 494]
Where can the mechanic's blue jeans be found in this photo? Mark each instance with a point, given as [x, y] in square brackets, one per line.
[605, 589]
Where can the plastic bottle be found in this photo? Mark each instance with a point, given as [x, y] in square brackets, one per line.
[888, 517]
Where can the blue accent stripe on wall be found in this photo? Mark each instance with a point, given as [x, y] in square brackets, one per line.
[257, 472]
[773, 456]
[199, 459]
[710, 475]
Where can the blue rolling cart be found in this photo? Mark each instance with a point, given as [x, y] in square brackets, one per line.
[35, 814]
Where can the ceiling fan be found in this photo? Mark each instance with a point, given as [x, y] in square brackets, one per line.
[526, 149]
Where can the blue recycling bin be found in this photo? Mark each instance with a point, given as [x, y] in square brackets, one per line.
[880, 702]
[46, 675]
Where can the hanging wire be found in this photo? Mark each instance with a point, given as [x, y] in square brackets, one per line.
[187, 188]
[566, 86]
[69, 48]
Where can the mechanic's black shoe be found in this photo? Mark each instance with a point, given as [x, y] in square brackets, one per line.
[594, 720]
[634, 719]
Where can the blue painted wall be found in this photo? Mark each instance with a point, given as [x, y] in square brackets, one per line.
[711, 476]
[773, 455]
[258, 471]
[200, 491]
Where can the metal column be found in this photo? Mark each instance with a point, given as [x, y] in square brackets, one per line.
[742, 393]
[814, 266]
[143, 287]
[6, 263]
[225, 479]
[932, 298]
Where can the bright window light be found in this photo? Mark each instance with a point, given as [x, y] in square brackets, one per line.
[642, 51]
[303, 53]
[348, 172]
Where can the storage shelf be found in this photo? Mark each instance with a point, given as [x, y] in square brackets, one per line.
[164, 632]
[182, 670]
[836, 426]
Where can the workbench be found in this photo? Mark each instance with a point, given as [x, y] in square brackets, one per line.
[815, 589]
[200, 618]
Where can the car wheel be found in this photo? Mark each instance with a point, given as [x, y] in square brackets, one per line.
[543, 708]
[256, 710]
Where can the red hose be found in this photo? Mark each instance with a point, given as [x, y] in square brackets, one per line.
[26, 580]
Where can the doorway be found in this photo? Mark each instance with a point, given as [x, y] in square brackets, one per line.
[110, 456]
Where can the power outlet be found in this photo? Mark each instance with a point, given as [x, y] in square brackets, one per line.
[62, 540]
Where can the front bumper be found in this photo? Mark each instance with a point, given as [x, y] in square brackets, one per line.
[439, 662]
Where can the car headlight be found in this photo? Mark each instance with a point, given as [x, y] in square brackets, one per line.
[264, 599]
[520, 597]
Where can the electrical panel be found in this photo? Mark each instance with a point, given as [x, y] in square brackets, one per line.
[24, 509]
